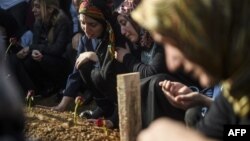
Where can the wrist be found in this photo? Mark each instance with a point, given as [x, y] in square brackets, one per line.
[93, 57]
[206, 101]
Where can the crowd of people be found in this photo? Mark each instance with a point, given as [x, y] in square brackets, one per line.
[192, 57]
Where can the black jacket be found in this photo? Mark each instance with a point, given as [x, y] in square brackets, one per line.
[220, 113]
[154, 66]
[61, 36]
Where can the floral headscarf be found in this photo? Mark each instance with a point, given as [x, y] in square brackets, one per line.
[125, 9]
[96, 9]
[87, 8]
[213, 34]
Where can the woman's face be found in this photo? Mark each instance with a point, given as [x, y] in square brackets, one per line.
[36, 9]
[127, 29]
[175, 60]
[91, 27]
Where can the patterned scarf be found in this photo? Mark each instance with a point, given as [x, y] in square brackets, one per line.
[125, 9]
[87, 8]
[146, 41]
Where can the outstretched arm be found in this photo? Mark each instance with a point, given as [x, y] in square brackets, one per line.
[181, 96]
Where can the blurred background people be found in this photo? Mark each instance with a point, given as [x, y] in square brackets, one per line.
[43, 61]
[11, 118]
[207, 34]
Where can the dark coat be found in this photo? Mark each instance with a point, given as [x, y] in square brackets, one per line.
[155, 65]
[61, 36]
[54, 67]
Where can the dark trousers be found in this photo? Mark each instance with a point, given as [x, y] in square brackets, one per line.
[104, 91]
[34, 75]
[154, 104]
[19, 73]
[50, 70]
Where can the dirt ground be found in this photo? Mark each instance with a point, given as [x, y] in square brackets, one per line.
[43, 124]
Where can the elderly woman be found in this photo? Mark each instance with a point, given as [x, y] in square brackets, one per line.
[212, 39]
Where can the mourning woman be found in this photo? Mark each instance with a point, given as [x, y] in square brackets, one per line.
[212, 38]
[42, 65]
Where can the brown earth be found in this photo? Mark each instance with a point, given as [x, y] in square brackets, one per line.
[43, 124]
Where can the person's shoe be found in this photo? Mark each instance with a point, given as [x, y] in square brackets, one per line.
[95, 114]
[86, 114]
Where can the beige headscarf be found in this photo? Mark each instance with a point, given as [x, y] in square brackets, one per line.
[215, 34]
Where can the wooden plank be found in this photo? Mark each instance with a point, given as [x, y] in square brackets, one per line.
[129, 105]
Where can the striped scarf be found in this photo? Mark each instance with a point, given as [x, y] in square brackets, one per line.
[87, 8]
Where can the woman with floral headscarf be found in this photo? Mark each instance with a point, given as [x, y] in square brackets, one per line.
[151, 65]
[149, 61]
[213, 38]
[95, 67]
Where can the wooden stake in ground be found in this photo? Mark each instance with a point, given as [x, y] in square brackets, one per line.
[129, 104]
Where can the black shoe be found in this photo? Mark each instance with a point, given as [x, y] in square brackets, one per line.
[95, 114]
[86, 114]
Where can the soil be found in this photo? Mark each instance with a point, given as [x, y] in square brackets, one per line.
[43, 124]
